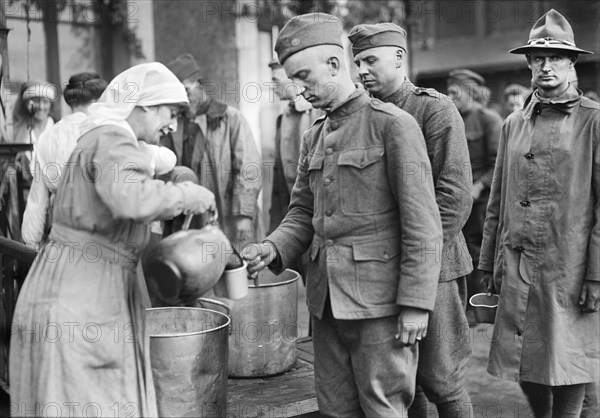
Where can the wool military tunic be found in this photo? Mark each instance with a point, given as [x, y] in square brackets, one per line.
[364, 202]
[444, 134]
[542, 240]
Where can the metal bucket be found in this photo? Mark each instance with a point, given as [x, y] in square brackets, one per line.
[265, 326]
[188, 355]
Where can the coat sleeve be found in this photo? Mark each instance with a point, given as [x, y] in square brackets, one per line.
[124, 182]
[452, 167]
[34, 217]
[295, 233]
[492, 218]
[247, 167]
[593, 267]
[493, 129]
[407, 165]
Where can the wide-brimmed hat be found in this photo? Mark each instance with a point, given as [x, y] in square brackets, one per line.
[551, 31]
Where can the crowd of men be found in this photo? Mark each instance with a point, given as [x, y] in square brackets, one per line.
[397, 203]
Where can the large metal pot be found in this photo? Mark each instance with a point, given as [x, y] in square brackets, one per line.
[188, 355]
[265, 326]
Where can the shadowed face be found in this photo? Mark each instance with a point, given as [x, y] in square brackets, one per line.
[194, 91]
[284, 88]
[378, 69]
[312, 71]
[460, 96]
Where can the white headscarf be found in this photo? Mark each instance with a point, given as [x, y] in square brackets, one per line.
[149, 84]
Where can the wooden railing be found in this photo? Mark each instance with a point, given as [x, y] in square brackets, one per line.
[15, 260]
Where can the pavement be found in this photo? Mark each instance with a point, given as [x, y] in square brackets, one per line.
[491, 397]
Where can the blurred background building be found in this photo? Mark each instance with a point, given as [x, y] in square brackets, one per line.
[232, 41]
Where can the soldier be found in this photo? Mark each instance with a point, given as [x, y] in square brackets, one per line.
[365, 206]
[482, 128]
[542, 232]
[215, 141]
[379, 52]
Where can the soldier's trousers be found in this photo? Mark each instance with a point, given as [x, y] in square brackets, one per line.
[444, 355]
[360, 369]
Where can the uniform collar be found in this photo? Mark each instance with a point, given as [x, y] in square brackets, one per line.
[566, 102]
[353, 103]
[406, 87]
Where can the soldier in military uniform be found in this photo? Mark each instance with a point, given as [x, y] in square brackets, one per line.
[482, 127]
[379, 52]
[363, 204]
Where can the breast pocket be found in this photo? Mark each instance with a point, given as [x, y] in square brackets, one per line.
[363, 181]
[315, 176]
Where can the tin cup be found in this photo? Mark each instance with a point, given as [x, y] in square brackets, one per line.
[233, 283]
[484, 307]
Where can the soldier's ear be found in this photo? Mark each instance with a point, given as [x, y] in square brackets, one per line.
[334, 65]
[399, 57]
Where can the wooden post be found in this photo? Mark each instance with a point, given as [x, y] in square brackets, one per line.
[4, 41]
[50, 21]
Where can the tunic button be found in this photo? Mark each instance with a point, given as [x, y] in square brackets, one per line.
[328, 151]
[385, 256]
[327, 181]
[329, 212]
[333, 126]
[525, 203]
[529, 156]
[519, 333]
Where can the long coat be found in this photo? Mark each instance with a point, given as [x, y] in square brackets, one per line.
[221, 150]
[79, 340]
[542, 240]
[290, 127]
[365, 204]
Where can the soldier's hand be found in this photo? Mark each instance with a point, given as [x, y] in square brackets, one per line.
[258, 256]
[477, 190]
[197, 199]
[487, 283]
[589, 297]
[412, 325]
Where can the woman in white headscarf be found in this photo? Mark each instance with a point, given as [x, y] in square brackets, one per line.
[78, 343]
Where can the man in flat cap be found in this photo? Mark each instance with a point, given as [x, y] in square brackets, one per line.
[364, 204]
[379, 51]
[482, 128]
[541, 238]
[215, 141]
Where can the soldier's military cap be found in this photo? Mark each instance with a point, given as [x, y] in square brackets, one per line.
[551, 31]
[365, 37]
[185, 67]
[306, 31]
[465, 76]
